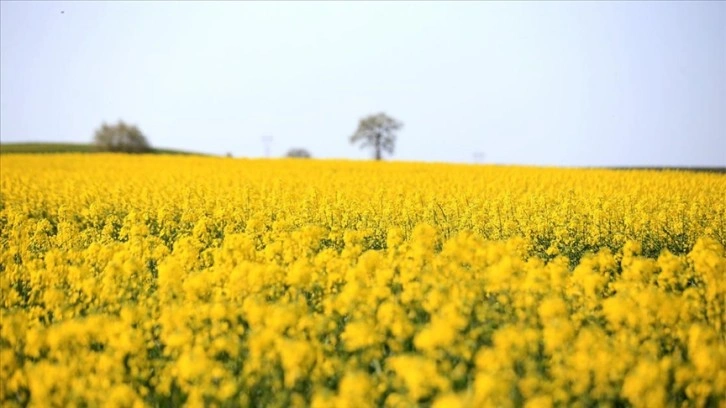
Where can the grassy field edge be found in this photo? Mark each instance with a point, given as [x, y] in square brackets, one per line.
[43, 147]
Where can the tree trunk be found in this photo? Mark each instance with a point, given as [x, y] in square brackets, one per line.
[378, 148]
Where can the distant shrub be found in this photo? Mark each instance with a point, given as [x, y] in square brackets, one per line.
[299, 153]
[121, 138]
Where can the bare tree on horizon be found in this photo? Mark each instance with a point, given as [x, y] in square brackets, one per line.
[379, 132]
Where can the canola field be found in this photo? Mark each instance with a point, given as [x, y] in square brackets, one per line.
[189, 281]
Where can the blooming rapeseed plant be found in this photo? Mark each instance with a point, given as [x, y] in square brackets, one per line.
[165, 281]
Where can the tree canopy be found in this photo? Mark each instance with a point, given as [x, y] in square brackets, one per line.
[121, 138]
[298, 152]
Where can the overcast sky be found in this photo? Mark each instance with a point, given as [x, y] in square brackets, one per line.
[567, 83]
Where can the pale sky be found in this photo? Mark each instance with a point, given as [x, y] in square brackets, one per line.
[560, 83]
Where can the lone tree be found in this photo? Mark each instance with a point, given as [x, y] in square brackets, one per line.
[121, 138]
[379, 132]
[299, 153]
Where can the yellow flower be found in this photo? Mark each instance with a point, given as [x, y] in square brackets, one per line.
[359, 335]
[355, 390]
[129, 280]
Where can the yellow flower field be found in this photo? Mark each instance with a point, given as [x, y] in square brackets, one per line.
[199, 281]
